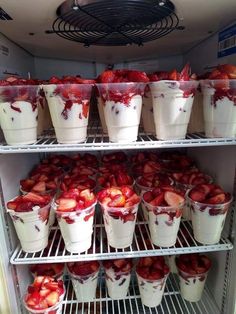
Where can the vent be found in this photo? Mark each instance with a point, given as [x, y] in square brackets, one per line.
[4, 16]
[115, 22]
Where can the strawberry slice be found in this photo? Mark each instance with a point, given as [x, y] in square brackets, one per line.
[173, 199]
[217, 199]
[33, 197]
[117, 201]
[40, 187]
[52, 298]
[66, 204]
[197, 196]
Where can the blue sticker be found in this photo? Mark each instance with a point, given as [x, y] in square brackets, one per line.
[227, 41]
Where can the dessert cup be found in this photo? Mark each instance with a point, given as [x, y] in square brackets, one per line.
[219, 108]
[164, 222]
[32, 228]
[19, 113]
[69, 109]
[119, 225]
[151, 291]
[208, 220]
[122, 109]
[77, 228]
[172, 104]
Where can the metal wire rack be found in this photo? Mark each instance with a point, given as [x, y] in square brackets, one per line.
[172, 302]
[98, 141]
[100, 250]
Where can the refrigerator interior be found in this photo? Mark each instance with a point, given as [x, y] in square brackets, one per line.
[216, 157]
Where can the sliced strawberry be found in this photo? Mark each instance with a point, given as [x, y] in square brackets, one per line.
[173, 199]
[107, 77]
[66, 204]
[33, 197]
[137, 76]
[217, 199]
[129, 217]
[158, 200]
[119, 263]
[52, 298]
[127, 191]
[146, 261]
[148, 196]
[40, 187]
[45, 292]
[173, 75]
[12, 205]
[197, 196]
[117, 201]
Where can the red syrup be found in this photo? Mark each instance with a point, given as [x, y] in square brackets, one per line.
[221, 93]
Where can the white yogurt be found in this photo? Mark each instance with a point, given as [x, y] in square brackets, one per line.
[219, 118]
[147, 114]
[72, 126]
[191, 288]
[171, 109]
[85, 287]
[151, 291]
[76, 229]
[18, 127]
[123, 120]
[117, 284]
[119, 233]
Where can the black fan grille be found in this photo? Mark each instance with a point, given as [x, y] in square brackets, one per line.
[115, 22]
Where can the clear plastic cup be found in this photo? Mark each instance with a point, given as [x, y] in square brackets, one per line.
[55, 309]
[100, 104]
[117, 283]
[163, 223]
[208, 220]
[172, 105]
[147, 114]
[69, 109]
[119, 225]
[219, 108]
[191, 285]
[19, 113]
[84, 286]
[122, 109]
[44, 118]
[77, 228]
[32, 228]
[151, 291]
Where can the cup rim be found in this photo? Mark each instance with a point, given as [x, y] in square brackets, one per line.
[119, 208]
[193, 275]
[153, 280]
[83, 276]
[65, 213]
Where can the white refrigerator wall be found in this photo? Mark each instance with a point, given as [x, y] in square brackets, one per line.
[14, 59]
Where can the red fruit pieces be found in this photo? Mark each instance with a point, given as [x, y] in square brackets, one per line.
[152, 268]
[74, 199]
[119, 197]
[193, 264]
[119, 265]
[44, 293]
[25, 203]
[209, 194]
[86, 268]
[173, 198]
[164, 196]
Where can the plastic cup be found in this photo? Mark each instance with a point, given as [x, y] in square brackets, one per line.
[44, 118]
[219, 108]
[84, 286]
[147, 114]
[32, 228]
[77, 228]
[55, 309]
[208, 220]
[117, 283]
[191, 285]
[122, 109]
[163, 223]
[19, 113]
[69, 109]
[151, 291]
[100, 104]
[172, 104]
[119, 231]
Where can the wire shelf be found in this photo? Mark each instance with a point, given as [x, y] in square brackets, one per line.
[98, 141]
[172, 302]
[100, 250]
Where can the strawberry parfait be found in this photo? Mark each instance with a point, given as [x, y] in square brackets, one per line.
[84, 277]
[69, 101]
[30, 216]
[75, 213]
[19, 111]
[164, 205]
[122, 91]
[186, 180]
[117, 275]
[54, 270]
[119, 207]
[172, 103]
[192, 270]
[209, 206]
[44, 296]
[219, 100]
[152, 273]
